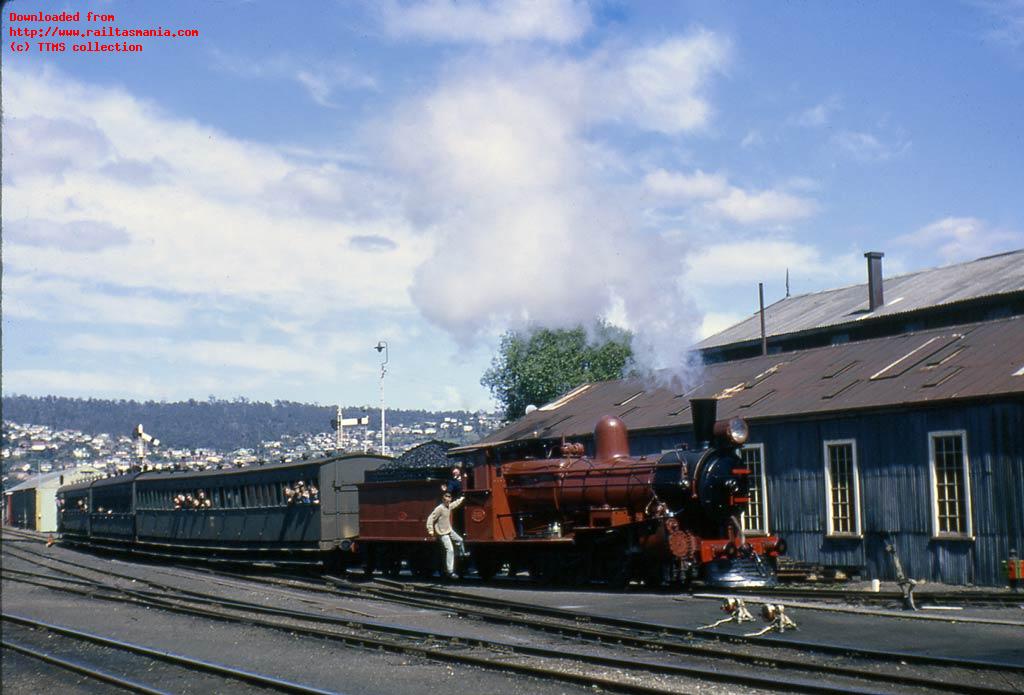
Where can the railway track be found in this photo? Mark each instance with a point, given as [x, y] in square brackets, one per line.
[775, 652]
[109, 661]
[10, 533]
[941, 598]
[764, 664]
[921, 597]
[590, 670]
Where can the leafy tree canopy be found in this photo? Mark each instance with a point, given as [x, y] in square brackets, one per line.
[537, 367]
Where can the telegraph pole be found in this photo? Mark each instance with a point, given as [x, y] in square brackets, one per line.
[382, 347]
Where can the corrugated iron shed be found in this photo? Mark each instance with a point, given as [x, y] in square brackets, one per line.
[52, 478]
[1002, 274]
[976, 361]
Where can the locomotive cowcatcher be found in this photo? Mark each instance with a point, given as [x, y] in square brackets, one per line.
[571, 518]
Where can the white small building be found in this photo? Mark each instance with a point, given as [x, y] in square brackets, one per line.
[33, 503]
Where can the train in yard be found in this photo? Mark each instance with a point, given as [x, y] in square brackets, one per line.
[299, 513]
[547, 508]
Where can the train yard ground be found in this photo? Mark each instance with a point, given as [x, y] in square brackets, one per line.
[152, 628]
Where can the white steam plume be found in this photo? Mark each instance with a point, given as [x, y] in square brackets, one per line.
[532, 228]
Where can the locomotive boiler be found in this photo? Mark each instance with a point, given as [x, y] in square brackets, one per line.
[570, 518]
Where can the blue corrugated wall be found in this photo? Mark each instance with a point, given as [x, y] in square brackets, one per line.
[895, 487]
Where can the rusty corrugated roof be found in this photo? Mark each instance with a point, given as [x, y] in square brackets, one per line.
[985, 277]
[972, 361]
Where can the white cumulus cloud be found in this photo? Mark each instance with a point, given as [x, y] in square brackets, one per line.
[487, 21]
[723, 200]
[697, 185]
[761, 206]
[661, 87]
[958, 239]
[223, 217]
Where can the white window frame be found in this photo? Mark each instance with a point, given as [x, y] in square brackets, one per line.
[763, 490]
[968, 533]
[854, 484]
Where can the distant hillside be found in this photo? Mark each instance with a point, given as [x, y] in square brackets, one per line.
[213, 423]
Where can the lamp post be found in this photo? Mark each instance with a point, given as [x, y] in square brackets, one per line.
[382, 347]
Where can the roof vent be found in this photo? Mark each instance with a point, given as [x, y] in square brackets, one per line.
[875, 298]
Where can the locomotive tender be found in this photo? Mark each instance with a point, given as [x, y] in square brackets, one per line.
[569, 518]
[563, 516]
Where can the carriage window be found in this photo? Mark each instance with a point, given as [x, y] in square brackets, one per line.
[842, 488]
[755, 518]
[951, 485]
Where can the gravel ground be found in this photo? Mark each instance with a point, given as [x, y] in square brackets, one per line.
[344, 669]
[309, 661]
[936, 638]
[23, 674]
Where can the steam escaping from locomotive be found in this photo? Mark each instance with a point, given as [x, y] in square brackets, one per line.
[529, 229]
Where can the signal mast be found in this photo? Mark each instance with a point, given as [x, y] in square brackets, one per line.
[339, 423]
[141, 440]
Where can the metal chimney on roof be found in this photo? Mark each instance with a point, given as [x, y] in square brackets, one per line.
[875, 298]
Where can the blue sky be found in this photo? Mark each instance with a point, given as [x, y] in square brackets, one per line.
[247, 213]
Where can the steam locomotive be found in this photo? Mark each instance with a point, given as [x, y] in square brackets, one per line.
[569, 518]
[560, 515]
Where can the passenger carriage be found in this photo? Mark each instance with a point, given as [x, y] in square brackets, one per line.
[303, 512]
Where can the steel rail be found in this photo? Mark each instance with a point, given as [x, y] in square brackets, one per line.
[82, 669]
[773, 682]
[637, 638]
[241, 556]
[133, 548]
[921, 597]
[20, 535]
[504, 607]
[400, 591]
[758, 662]
[170, 657]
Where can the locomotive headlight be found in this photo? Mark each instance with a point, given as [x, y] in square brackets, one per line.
[733, 431]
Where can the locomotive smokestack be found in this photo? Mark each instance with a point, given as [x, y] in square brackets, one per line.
[704, 411]
[875, 297]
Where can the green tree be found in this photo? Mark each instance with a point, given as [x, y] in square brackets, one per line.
[536, 367]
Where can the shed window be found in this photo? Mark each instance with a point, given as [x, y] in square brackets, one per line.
[951, 487]
[755, 518]
[842, 485]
